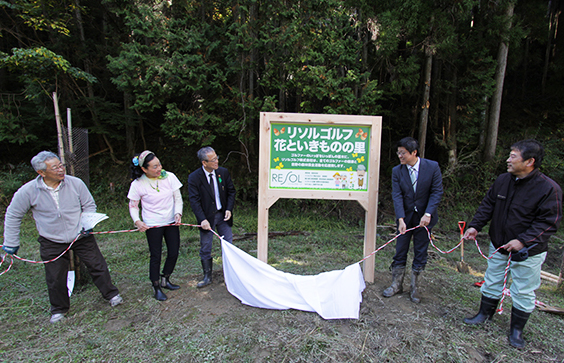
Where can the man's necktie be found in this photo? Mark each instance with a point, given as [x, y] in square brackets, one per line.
[413, 176]
[212, 186]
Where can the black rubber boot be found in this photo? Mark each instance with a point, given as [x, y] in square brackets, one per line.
[207, 268]
[396, 287]
[159, 294]
[166, 284]
[414, 294]
[518, 320]
[486, 313]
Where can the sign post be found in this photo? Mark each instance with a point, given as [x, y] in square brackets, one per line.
[315, 156]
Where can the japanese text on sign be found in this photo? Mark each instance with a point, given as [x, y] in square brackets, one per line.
[319, 156]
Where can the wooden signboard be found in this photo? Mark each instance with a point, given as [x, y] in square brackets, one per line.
[315, 156]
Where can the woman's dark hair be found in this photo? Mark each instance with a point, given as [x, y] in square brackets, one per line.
[136, 171]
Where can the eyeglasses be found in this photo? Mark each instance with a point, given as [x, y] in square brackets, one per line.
[401, 153]
[213, 160]
[58, 167]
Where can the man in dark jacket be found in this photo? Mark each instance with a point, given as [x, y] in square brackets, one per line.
[525, 208]
[212, 197]
[416, 190]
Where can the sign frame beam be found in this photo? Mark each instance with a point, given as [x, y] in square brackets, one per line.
[368, 199]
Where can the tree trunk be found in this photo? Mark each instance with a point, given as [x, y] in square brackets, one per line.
[89, 87]
[451, 123]
[129, 128]
[495, 107]
[525, 74]
[552, 24]
[425, 103]
[437, 77]
[253, 49]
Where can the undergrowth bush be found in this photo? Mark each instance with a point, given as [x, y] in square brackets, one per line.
[464, 189]
[11, 179]
[553, 163]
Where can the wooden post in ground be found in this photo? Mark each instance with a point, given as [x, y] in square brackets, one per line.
[347, 148]
[61, 147]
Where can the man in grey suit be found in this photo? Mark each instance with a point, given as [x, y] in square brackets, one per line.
[417, 189]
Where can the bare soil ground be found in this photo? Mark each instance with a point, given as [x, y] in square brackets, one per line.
[389, 330]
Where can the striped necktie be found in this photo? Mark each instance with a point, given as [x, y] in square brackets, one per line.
[413, 176]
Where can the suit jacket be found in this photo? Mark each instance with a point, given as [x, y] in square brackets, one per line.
[429, 191]
[201, 198]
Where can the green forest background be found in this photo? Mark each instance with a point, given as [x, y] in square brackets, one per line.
[466, 77]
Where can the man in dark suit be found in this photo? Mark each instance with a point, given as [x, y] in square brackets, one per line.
[417, 189]
[212, 197]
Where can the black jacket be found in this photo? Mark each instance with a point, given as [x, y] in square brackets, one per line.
[201, 198]
[527, 209]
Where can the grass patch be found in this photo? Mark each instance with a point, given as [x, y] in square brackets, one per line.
[210, 325]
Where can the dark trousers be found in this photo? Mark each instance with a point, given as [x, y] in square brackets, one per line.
[56, 272]
[420, 244]
[206, 237]
[155, 236]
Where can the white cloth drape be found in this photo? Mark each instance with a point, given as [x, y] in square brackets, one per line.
[333, 294]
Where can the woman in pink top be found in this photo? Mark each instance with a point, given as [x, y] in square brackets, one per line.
[157, 192]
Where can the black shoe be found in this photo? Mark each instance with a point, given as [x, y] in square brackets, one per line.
[159, 294]
[207, 268]
[486, 313]
[165, 283]
[518, 320]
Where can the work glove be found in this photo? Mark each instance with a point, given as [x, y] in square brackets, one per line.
[522, 254]
[11, 250]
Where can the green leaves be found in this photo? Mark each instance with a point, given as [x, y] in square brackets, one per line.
[13, 128]
[42, 15]
[41, 66]
[199, 72]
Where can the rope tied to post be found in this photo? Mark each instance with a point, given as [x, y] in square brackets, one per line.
[505, 291]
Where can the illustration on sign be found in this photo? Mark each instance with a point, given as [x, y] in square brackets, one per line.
[319, 156]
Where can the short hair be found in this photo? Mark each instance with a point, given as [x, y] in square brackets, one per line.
[38, 161]
[409, 143]
[203, 153]
[530, 149]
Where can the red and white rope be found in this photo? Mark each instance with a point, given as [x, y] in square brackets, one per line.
[71, 244]
[505, 291]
